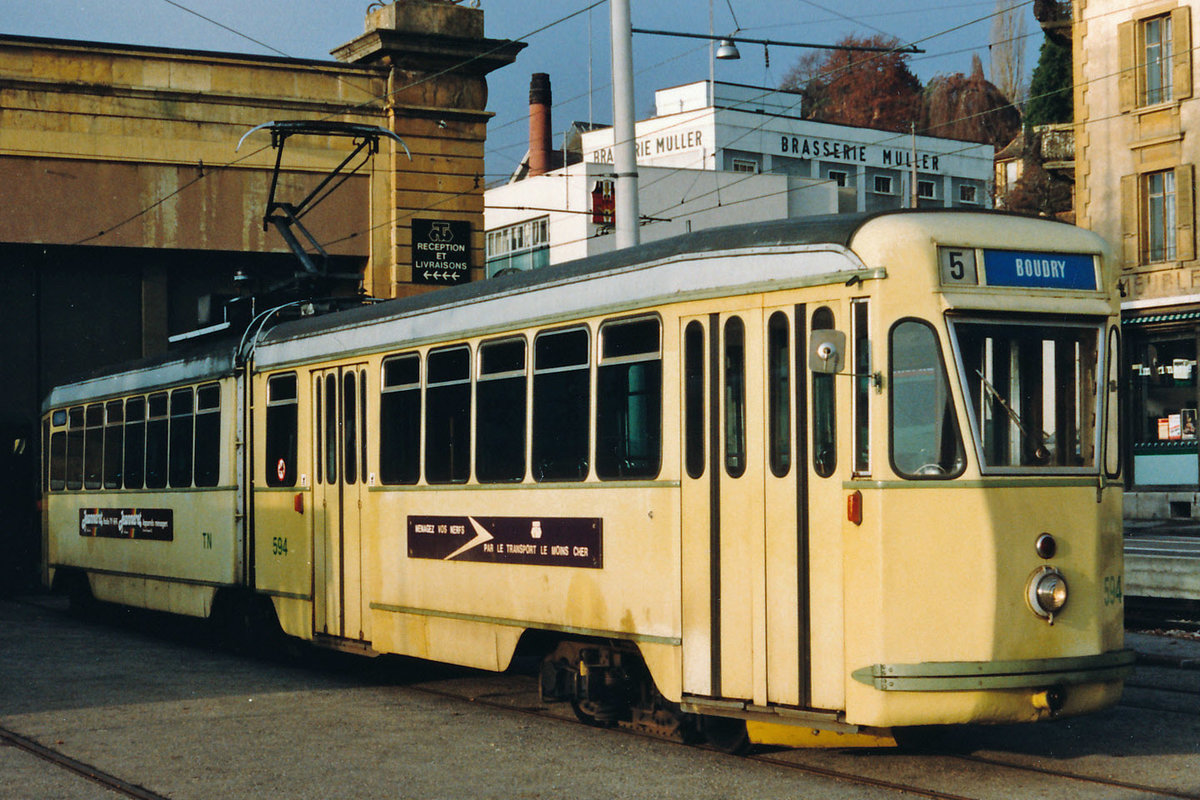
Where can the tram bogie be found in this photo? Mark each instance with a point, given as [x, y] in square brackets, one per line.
[843, 475]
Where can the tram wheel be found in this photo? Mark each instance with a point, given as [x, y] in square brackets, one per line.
[594, 714]
[726, 734]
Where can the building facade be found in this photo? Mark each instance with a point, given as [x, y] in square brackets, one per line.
[1137, 116]
[130, 212]
[719, 154]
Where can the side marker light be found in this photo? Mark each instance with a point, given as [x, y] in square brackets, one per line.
[854, 507]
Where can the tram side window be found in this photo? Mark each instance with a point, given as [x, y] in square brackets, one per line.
[862, 387]
[500, 412]
[114, 424]
[182, 430]
[135, 442]
[58, 453]
[693, 398]
[448, 416]
[400, 421]
[629, 400]
[93, 447]
[156, 442]
[282, 420]
[925, 440]
[207, 464]
[561, 410]
[75, 448]
[824, 407]
[735, 397]
[779, 407]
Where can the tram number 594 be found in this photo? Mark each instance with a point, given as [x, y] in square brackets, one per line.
[1113, 591]
[279, 545]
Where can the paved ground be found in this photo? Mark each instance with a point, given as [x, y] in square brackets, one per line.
[147, 704]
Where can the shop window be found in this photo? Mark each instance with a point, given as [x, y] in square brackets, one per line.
[968, 193]
[883, 184]
[1163, 409]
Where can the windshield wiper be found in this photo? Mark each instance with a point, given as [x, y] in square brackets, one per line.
[1041, 454]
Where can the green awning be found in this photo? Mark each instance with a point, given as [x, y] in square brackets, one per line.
[1178, 316]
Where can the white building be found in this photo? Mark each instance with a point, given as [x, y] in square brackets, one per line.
[744, 156]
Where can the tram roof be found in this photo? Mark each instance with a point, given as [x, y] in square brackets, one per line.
[834, 229]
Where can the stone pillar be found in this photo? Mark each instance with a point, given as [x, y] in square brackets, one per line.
[437, 59]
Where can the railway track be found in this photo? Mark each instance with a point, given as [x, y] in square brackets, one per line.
[89, 771]
[969, 767]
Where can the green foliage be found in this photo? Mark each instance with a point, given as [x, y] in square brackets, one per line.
[1050, 95]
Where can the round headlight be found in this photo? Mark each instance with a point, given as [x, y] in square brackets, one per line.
[1047, 592]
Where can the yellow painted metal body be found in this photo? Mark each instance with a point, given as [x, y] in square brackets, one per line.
[935, 574]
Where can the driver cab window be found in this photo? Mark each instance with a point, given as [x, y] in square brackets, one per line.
[925, 440]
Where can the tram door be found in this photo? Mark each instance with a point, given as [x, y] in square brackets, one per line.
[339, 478]
[745, 608]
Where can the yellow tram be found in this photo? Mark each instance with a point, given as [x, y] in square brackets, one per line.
[844, 474]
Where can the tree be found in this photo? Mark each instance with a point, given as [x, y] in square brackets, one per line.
[969, 108]
[1050, 97]
[869, 89]
[1007, 50]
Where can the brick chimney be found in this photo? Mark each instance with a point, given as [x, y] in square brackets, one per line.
[540, 145]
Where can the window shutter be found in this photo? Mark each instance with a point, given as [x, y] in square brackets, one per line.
[1130, 215]
[1127, 74]
[1181, 46]
[1185, 214]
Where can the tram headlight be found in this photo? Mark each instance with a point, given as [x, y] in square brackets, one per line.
[1046, 592]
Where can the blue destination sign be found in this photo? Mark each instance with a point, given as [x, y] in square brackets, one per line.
[1039, 270]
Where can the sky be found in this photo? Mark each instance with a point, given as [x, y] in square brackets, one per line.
[565, 39]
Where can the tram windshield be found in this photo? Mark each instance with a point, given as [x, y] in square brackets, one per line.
[1033, 393]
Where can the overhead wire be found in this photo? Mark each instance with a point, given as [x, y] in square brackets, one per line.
[454, 196]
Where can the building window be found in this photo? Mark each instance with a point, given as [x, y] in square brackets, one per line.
[883, 184]
[967, 194]
[519, 247]
[1155, 59]
[1156, 43]
[1157, 216]
[925, 190]
[838, 178]
[745, 165]
[1159, 193]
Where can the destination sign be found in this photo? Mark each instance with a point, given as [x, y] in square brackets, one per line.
[128, 523]
[542, 541]
[1040, 270]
